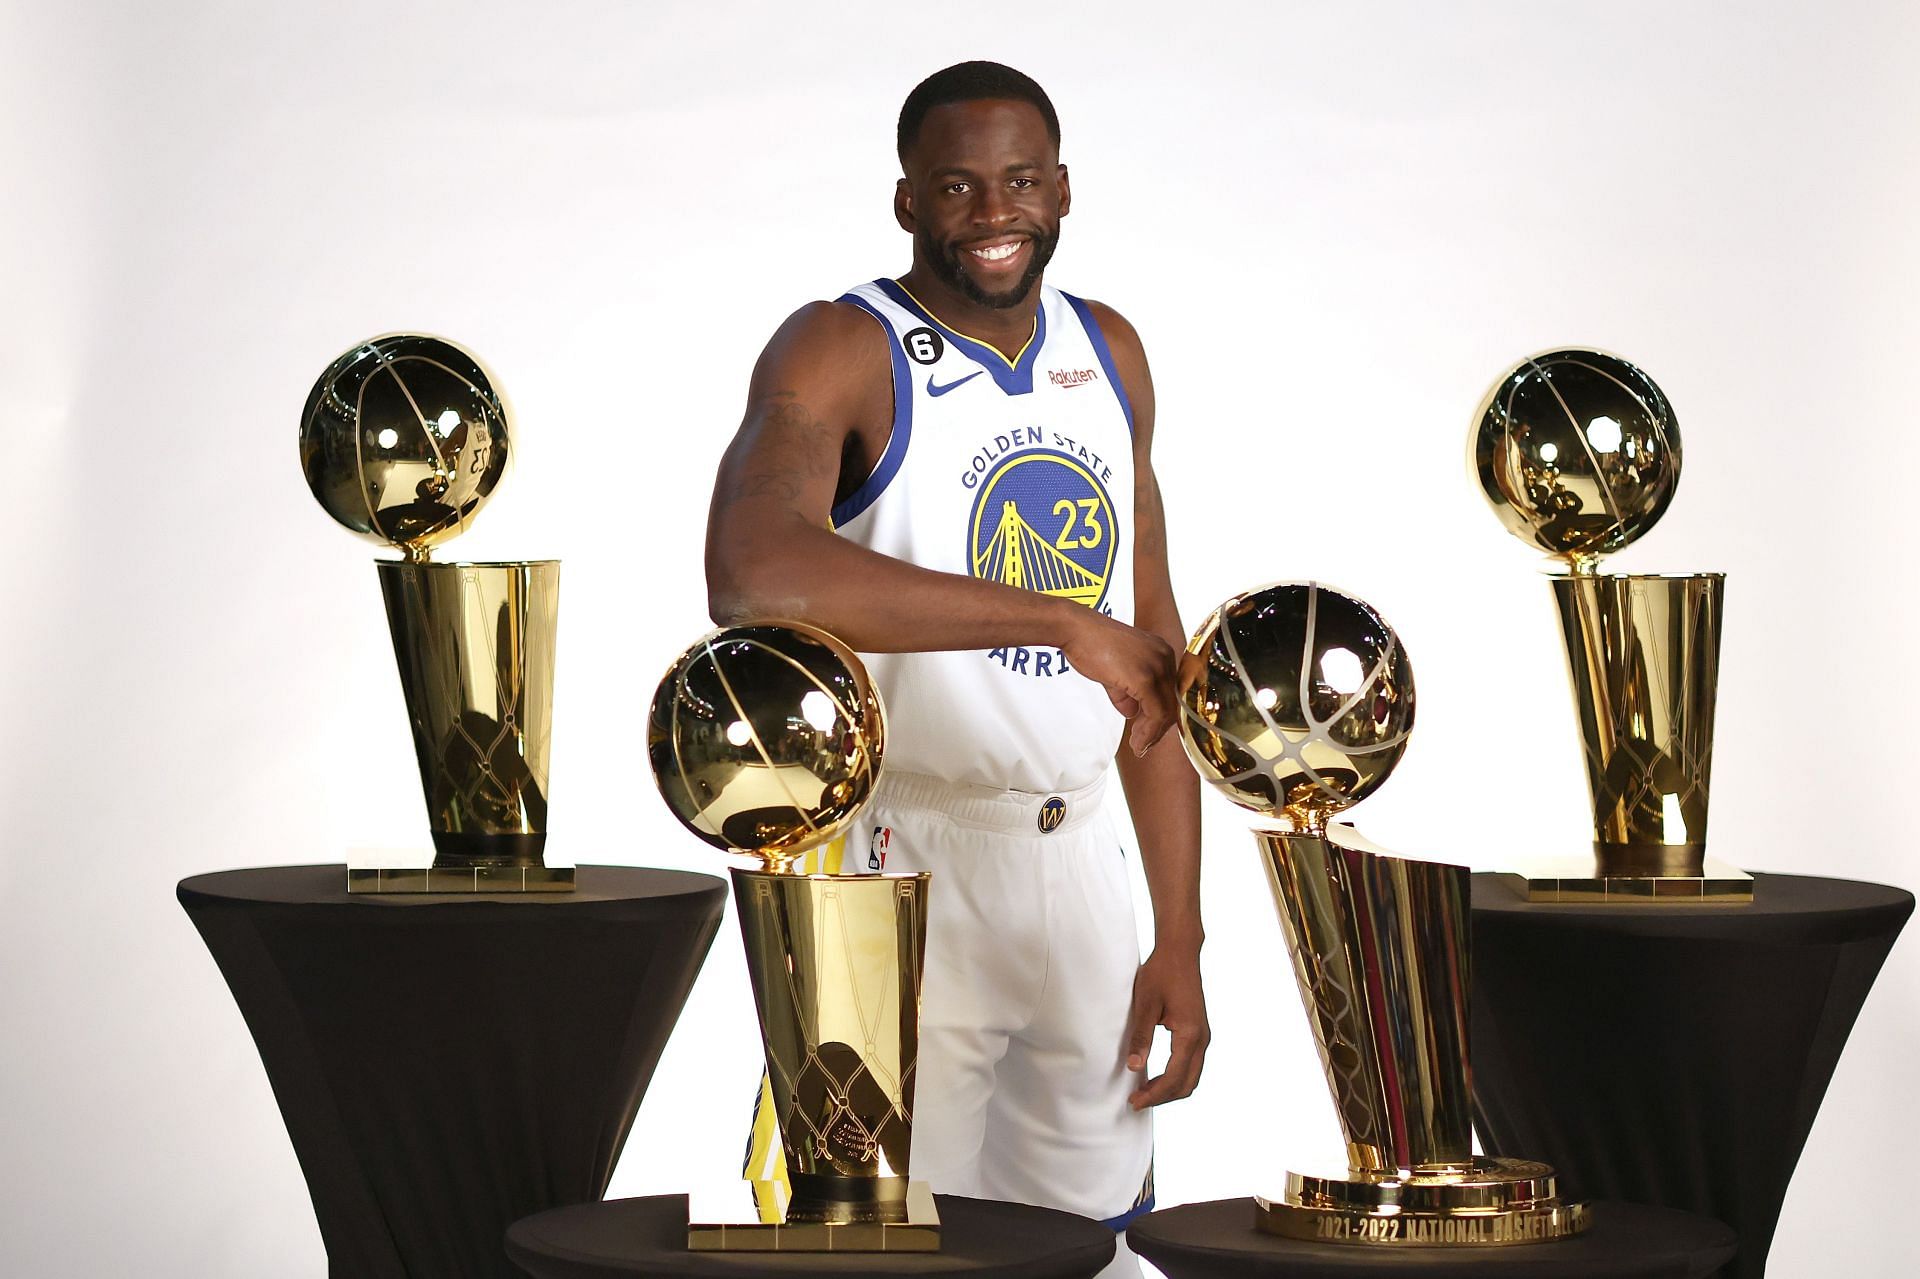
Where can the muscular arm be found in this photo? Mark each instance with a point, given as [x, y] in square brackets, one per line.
[1162, 791]
[771, 551]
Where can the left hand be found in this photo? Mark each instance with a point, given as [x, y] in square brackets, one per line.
[1166, 992]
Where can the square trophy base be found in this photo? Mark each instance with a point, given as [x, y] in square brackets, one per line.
[381, 871]
[919, 1232]
[1487, 1203]
[1582, 881]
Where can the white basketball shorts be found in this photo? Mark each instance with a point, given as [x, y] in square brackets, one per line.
[1031, 953]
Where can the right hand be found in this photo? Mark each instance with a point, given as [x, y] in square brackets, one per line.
[1135, 667]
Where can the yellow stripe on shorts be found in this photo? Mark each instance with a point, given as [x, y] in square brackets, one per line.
[766, 1165]
[827, 859]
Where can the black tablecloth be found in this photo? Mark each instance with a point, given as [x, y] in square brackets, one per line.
[1671, 1054]
[978, 1237]
[1626, 1241]
[446, 1065]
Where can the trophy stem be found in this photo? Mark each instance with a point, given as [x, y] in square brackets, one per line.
[1643, 657]
[1380, 950]
[475, 647]
[836, 962]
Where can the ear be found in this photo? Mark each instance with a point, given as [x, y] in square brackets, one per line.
[1066, 192]
[903, 205]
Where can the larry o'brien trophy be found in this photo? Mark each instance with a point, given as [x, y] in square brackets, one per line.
[403, 440]
[1578, 453]
[766, 741]
[1297, 702]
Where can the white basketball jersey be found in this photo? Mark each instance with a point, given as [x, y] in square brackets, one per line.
[1017, 471]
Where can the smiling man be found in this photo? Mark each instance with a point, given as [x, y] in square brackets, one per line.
[950, 471]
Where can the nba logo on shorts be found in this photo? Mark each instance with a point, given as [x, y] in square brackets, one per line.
[877, 849]
[1052, 813]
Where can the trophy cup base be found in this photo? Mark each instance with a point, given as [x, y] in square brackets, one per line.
[411, 871]
[461, 879]
[1588, 884]
[918, 1230]
[1485, 1203]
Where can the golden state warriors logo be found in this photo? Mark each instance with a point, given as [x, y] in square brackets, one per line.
[1042, 521]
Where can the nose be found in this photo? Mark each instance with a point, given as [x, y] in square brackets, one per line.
[993, 206]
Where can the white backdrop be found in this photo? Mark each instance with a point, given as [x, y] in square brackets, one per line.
[1333, 225]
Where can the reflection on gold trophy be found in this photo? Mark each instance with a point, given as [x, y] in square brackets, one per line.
[1300, 703]
[767, 740]
[403, 440]
[1578, 453]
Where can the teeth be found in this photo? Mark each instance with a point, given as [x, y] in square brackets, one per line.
[998, 252]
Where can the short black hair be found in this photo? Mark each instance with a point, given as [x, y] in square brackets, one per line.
[971, 82]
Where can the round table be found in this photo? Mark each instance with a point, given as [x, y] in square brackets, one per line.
[978, 1237]
[448, 1064]
[1673, 1055]
[1218, 1240]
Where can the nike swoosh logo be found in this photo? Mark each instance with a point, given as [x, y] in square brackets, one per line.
[942, 390]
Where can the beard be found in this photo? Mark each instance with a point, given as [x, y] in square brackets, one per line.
[945, 262]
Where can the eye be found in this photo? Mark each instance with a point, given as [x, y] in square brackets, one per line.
[1022, 184]
[958, 188]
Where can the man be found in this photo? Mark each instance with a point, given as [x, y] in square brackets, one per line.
[951, 473]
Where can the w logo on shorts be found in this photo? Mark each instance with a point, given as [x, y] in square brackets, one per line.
[1052, 813]
[877, 849]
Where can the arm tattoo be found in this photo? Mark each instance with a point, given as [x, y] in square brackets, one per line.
[797, 427]
[791, 446]
[784, 485]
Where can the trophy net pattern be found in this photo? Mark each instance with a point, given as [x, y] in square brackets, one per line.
[1302, 873]
[475, 650]
[1643, 657]
[837, 974]
[1380, 950]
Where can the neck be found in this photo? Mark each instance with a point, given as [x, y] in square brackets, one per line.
[1004, 328]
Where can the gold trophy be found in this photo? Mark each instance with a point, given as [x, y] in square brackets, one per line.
[767, 740]
[403, 440]
[1297, 702]
[1578, 453]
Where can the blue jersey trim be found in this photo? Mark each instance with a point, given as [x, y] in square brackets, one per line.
[876, 484]
[1015, 377]
[1099, 341]
[1125, 1219]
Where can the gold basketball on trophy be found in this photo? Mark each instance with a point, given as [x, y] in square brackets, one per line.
[1577, 451]
[1302, 702]
[765, 740]
[403, 440]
